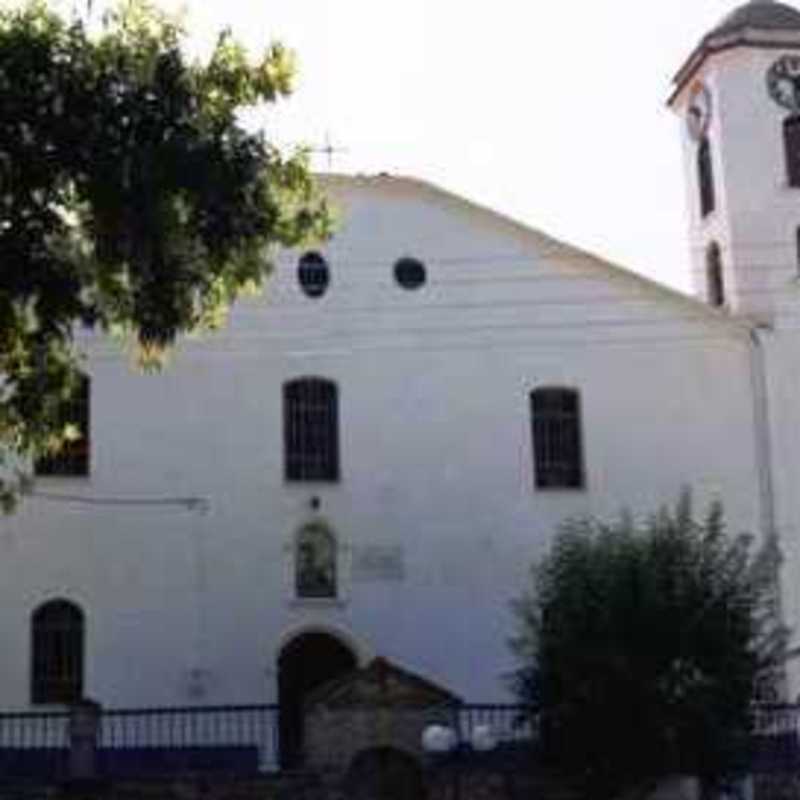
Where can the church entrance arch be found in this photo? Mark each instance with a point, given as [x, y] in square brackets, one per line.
[307, 662]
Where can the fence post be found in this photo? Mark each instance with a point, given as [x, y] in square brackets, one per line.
[84, 722]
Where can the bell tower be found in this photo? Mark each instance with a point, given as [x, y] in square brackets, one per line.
[738, 95]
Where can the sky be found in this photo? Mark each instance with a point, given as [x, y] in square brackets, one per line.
[551, 112]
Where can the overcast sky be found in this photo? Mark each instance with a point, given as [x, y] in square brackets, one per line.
[553, 112]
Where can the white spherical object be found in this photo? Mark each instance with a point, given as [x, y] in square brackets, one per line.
[483, 738]
[438, 739]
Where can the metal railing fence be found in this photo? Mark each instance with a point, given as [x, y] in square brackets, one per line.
[236, 737]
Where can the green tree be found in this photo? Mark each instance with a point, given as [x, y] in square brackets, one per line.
[641, 646]
[131, 199]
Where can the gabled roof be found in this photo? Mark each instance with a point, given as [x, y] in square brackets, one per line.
[381, 683]
[543, 241]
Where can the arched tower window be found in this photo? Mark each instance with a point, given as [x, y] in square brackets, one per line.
[791, 143]
[705, 177]
[715, 286]
[315, 562]
[57, 643]
[311, 430]
[557, 446]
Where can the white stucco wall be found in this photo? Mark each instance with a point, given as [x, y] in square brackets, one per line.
[756, 217]
[436, 461]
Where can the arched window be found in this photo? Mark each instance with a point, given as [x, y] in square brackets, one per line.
[715, 286]
[791, 144]
[557, 448]
[705, 177]
[315, 562]
[72, 459]
[313, 274]
[57, 642]
[311, 430]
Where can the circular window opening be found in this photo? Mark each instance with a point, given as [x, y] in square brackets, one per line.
[314, 274]
[409, 273]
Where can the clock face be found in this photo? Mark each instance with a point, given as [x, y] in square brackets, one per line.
[698, 114]
[783, 82]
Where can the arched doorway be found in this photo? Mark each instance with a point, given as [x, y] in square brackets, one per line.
[305, 663]
[384, 773]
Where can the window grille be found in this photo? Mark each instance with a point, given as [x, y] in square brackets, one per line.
[311, 430]
[57, 653]
[557, 448]
[791, 143]
[705, 174]
[72, 460]
[715, 283]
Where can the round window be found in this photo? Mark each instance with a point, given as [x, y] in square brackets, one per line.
[409, 273]
[314, 274]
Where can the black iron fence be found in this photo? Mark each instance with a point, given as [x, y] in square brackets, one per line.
[34, 743]
[234, 739]
[245, 739]
[499, 723]
[240, 739]
[237, 739]
[776, 738]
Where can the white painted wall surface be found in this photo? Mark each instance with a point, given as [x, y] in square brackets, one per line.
[435, 456]
[756, 217]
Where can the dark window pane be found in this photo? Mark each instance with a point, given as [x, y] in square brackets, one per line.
[314, 274]
[714, 279]
[72, 460]
[797, 245]
[57, 653]
[409, 273]
[705, 175]
[556, 430]
[791, 141]
[311, 430]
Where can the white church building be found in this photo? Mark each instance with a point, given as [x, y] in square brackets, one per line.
[370, 456]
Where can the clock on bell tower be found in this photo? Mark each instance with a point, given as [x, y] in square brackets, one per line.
[739, 96]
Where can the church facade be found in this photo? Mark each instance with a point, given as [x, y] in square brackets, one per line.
[369, 457]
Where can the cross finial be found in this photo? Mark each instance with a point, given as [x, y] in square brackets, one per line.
[328, 149]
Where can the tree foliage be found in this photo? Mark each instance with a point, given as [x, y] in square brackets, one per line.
[641, 647]
[131, 199]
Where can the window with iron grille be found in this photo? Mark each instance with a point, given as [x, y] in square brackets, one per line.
[791, 143]
[715, 284]
[705, 176]
[556, 428]
[311, 430]
[72, 460]
[57, 653]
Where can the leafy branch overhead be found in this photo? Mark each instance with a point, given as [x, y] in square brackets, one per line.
[130, 197]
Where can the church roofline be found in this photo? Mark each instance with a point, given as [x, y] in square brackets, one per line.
[719, 43]
[736, 323]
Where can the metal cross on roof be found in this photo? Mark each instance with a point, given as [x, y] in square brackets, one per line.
[328, 149]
